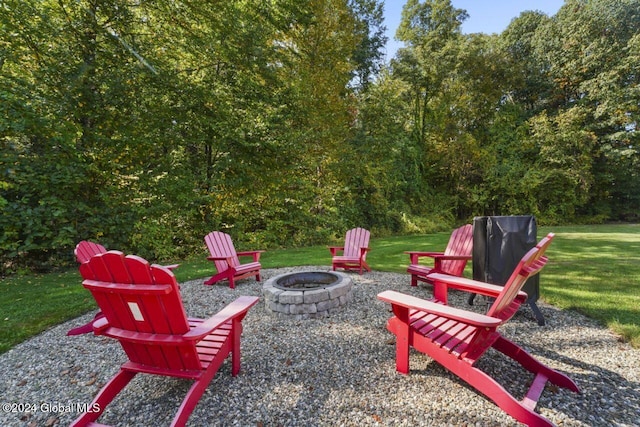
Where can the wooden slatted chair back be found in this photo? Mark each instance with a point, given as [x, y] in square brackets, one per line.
[220, 245]
[460, 244]
[85, 250]
[142, 303]
[530, 265]
[355, 239]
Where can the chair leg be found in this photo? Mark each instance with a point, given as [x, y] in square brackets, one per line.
[402, 352]
[104, 397]
[399, 326]
[488, 386]
[501, 397]
[200, 385]
[528, 362]
[522, 411]
[213, 279]
[192, 398]
[229, 273]
[440, 292]
[87, 328]
[236, 332]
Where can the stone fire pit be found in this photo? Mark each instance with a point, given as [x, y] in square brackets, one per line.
[307, 295]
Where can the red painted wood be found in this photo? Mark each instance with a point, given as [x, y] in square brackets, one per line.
[532, 262]
[143, 310]
[354, 251]
[457, 338]
[227, 262]
[85, 250]
[114, 263]
[440, 310]
[452, 261]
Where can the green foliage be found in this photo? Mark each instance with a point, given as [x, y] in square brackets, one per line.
[592, 60]
[537, 120]
[146, 125]
[563, 175]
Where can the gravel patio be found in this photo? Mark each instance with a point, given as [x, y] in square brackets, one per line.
[336, 371]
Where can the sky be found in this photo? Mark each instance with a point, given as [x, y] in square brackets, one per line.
[485, 16]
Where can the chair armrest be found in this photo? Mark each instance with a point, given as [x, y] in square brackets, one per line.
[422, 253]
[334, 249]
[453, 257]
[100, 324]
[410, 302]
[254, 254]
[468, 285]
[416, 255]
[237, 308]
[171, 266]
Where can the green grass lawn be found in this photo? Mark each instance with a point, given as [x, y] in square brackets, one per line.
[594, 270]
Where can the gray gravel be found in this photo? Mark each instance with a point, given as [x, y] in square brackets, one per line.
[338, 371]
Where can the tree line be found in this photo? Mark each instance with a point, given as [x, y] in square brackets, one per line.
[146, 124]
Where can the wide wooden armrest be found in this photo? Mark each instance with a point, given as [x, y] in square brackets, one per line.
[468, 285]
[411, 302]
[248, 253]
[421, 253]
[439, 258]
[453, 257]
[416, 255]
[335, 249]
[100, 324]
[239, 307]
[254, 254]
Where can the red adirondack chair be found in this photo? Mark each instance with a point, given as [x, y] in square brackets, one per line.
[143, 310]
[83, 252]
[457, 338]
[452, 261]
[226, 260]
[354, 251]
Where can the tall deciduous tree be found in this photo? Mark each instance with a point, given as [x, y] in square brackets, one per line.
[592, 60]
[66, 73]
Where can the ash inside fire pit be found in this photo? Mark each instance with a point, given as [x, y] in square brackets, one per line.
[307, 295]
[306, 280]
